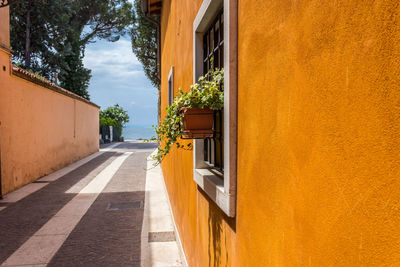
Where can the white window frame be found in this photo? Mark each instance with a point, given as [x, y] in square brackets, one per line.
[171, 86]
[222, 190]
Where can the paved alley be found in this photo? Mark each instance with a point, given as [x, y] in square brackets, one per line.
[91, 213]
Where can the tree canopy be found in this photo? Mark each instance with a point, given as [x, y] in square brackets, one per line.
[51, 35]
[37, 34]
[144, 43]
[114, 116]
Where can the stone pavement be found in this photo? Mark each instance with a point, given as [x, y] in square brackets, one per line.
[99, 211]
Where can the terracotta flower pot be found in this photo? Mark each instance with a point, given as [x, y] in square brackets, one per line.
[197, 123]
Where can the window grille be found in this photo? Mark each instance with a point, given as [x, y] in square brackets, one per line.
[213, 47]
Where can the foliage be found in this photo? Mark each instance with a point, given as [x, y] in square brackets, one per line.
[208, 92]
[144, 43]
[117, 114]
[51, 36]
[35, 32]
[114, 116]
[73, 75]
[90, 19]
[107, 122]
[104, 19]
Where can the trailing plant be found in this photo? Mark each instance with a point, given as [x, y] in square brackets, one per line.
[208, 92]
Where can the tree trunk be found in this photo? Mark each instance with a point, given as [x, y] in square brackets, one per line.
[28, 37]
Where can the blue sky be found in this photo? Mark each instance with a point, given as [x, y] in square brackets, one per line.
[118, 78]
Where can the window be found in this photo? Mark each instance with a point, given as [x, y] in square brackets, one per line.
[213, 57]
[214, 164]
[171, 86]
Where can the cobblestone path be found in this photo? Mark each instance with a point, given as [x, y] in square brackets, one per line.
[90, 216]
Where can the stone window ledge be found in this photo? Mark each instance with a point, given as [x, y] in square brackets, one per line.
[213, 185]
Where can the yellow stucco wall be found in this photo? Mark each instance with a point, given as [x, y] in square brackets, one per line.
[41, 130]
[318, 136]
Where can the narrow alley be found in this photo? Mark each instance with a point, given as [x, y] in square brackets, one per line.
[94, 212]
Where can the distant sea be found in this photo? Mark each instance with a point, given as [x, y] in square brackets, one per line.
[131, 133]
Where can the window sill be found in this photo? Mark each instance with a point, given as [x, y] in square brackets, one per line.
[213, 186]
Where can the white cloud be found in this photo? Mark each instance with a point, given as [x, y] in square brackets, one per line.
[114, 59]
[118, 77]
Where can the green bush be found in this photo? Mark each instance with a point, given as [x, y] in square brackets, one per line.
[114, 116]
[107, 122]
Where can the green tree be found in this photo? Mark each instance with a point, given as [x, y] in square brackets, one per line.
[73, 75]
[144, 43]
[107, 122]
[51, 35]
[117, 114]
[36, 31]
[91, 19]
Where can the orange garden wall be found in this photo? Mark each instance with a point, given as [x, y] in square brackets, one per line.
[4, 26]
[41, 130]
[318, 136]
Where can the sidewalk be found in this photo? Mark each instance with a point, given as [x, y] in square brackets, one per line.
[104, 210]
[160, 240]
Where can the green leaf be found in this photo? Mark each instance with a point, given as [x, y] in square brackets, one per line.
[206, 93]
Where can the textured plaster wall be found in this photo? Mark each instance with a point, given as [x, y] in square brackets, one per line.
[4, 22]
[205, 231]
[322, 174]
[318, 141]
[40, 130]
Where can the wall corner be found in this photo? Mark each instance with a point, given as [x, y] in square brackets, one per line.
[5, 27]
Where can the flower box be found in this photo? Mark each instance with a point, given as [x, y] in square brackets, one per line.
[197, 123]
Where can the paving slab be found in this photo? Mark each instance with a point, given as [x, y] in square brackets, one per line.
[22, 192]
[110, 237]
[160, 240]
[102, 211]
[22, 219]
